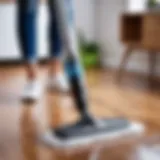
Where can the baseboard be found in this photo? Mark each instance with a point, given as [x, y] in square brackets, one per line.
[19, 62]
[43, 61]
[134, 68]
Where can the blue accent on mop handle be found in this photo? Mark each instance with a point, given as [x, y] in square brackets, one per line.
[73, 68]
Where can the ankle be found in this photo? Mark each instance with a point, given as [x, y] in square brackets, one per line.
[55, 67]
[31, 71]
[32, 77]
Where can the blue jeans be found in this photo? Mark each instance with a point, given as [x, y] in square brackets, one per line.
[27, 16]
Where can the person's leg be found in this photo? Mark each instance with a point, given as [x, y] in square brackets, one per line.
[56, 73]
[27, 11]
[55, 43]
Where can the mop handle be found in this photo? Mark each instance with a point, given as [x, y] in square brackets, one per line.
[72, 63]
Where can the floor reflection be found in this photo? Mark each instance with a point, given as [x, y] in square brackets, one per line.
[60, 111]
[28, 133]
[55, 111]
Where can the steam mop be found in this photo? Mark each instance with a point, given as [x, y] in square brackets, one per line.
[88, 129]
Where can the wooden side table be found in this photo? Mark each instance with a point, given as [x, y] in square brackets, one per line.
[140, 31]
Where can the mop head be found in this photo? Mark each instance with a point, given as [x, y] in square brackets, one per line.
[108, 130]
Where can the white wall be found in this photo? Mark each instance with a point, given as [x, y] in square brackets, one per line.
[8, 41]
[85, 20]
[109, 23]
[9, 48]
[137, 5]
[108, 35]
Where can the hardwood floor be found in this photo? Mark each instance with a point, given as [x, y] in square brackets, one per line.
[22, 123]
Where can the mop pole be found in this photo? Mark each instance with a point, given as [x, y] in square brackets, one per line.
[73, 68]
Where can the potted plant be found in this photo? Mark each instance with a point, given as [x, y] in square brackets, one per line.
[152, 4]
[89, 52]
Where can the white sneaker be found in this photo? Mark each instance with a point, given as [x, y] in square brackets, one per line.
[32, 90]
[59, 83]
